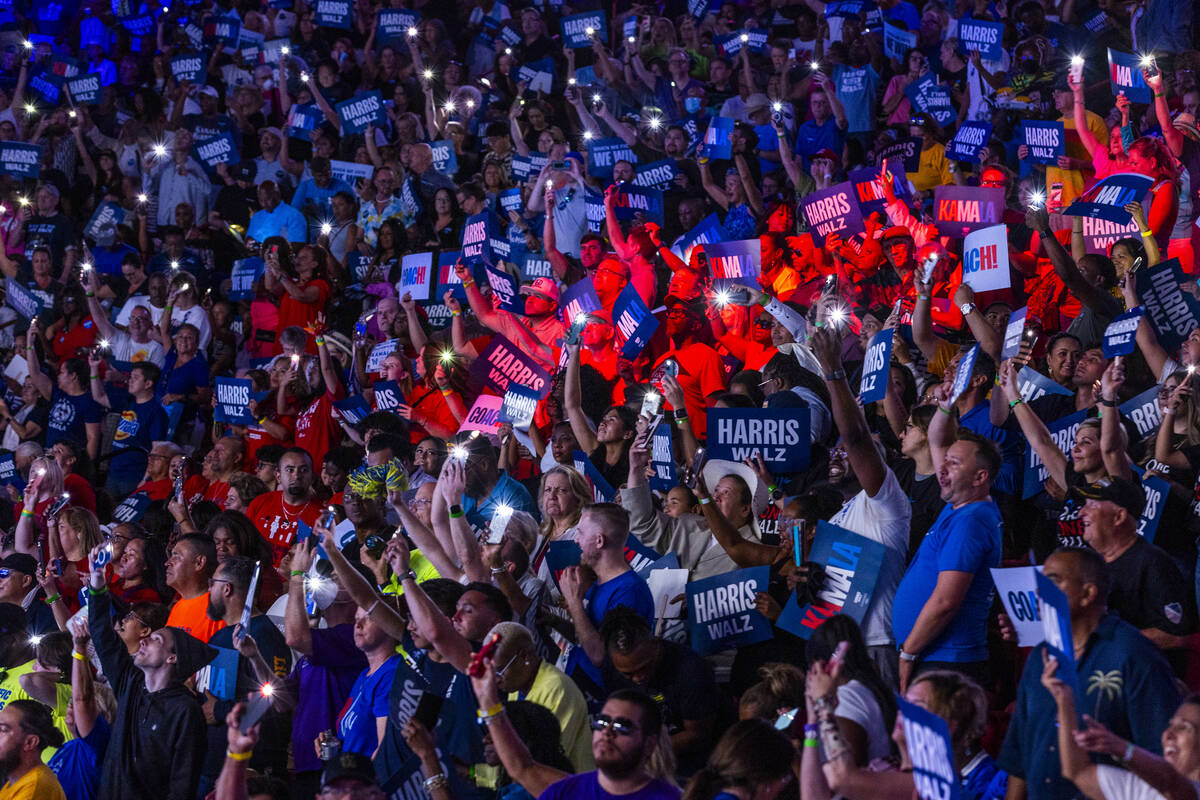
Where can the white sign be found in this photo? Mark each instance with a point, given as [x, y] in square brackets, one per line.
[416, 276]
[1018, 592]
[985, 259]
[379, 353]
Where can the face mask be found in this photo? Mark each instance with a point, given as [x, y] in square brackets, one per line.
[692, 104]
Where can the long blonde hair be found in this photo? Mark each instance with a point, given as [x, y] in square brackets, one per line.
[52, 483]
[579, 488]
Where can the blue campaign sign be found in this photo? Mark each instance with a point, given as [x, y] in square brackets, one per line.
[478, 233]
[102, 227]
[931, 752]
[634, 322]
[1056, 624]
[779, 435]
[394, 24]
[510, 200]
[958, 210]
[20, 160]
[578, 29]
[560, 555]
[907, 150]
[603, 155]
[505, 288]
[1125, 75]
[353, 409]
[519, 406]
[333, 14]
[852, 563]
[1156, 499]
[986, 37]
[657, 174]
[244, 275]
[733, 262]
[190, 67]
[388, 395]
[833, 210]
[968, 141]
[927, 95]
[1108, 198]
[502, 364]
[868, 188]
[84, 89]
[638, 556]
[716, 138]
[1063, 433]
[1143, 411]
[233, 401]
[221, 149]
[876, 363]
[21, 300]
[1119, 335]
[721, 612]
[1046, 140]
[1014, 332]
[962, 378]
[46, 85]
[132, 508]
[706, 231]
[360, 111]
[1172, 312]
[844, 8]
[632, 200]
[602, 490]
[1034, 384]
[662, 459]
[9, 476]
[897, 41]
[535, 265]
[445, 160]
[221, 674]
[222, 29]
[579, 298]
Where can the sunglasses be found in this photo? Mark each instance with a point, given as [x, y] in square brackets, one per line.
[619, 725]
[762, 323]
[5, 572]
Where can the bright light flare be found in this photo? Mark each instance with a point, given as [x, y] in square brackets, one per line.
[1036, 199]
[175, 265]
[1146, 60]
[449, 106]
[267, 690]
[428, 73]
[1077, 61]
[326, 227]
[814, 65]
[587, 135]
[589, 31]
[141, 198]
[104, 344]
[446, 356]
[159, 150]
[35, 639]
[654, 123]
[596, 98]
[412, 32]
[459, 452]
[305, 77]
[581, 318]
[745, 37]
[722, 297]
[777, 106]
[285, 50]
[28, 45]
[30, 108]
[22, 200]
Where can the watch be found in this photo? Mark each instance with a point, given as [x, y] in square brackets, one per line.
[966, 308]
[776, 495]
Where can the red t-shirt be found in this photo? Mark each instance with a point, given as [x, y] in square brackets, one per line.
[317, 428]
[193, 488]
[277, 520]
[157, 490]
[216, 491]
[257, 437]
[67, 343]
[294, 312]
[432, 405]
[81, 492]
[701, 373]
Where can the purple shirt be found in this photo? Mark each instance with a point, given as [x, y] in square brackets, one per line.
[586, 786]
[323, 682]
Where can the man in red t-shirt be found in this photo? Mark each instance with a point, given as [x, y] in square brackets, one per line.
[277, 514]
[701, 371]
[157, 483]
[316, 426]
[223, 462]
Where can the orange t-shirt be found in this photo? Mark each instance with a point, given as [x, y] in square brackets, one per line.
[192, 616]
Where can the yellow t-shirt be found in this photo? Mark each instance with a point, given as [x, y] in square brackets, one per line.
[554, 691]
[932, 170]
[37, 784]
[1072, 180]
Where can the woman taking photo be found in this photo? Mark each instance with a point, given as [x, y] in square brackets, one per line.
[183, 307]
[302, 291]
[72, 534]
[45, 485]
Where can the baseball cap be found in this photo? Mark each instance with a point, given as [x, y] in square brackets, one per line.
[694, 306]
[827, 155]
[756, 101]
[21, 562]
[349, 765]
[208, 90]
[896, 232]
[1185, 122]
[993, 175]
[544, 288]
[245, 171]
[273, 131]
[1125, 493]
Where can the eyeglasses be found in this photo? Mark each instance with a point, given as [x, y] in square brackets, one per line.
[500, 672]
[211, 581]
[762, 322]
[619, 725]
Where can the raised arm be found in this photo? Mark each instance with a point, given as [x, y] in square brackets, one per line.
[41, 380]
[558, 261]
[1034, 429]
[573, 402]
[296, 630]
[1064, 266]
[1080, 114]
[429, 619]
[361, 591]
[514, 755]
[104, 327]
[989, 340]
[1076, 766]
[865, 461]
[1112, 440]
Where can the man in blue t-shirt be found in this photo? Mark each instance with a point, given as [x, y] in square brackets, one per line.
[143, 422]
[827, 128]
[857, 86]
[940, 612]
[603, 529]
[74, 414]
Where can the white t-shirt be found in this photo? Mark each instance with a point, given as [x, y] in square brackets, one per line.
[1121, 784]
[142, 300]
[857, 703]
[125, 349]
[884, 518]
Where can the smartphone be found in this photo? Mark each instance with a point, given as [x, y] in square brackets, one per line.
[670, 367]
[652, 403]
[1151, 66]
[499, 524]
[375, 545]
[739, 296]
[576, 330]
[58, 505]
[559, 165]
[928, 267]
[831, 284]
[256, 708]
[104, 555]
[179, 485]
[644, 438]
[696, 467]
[475, 670]
[429, 708]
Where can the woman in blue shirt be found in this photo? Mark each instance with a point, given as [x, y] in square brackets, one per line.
[185, 371]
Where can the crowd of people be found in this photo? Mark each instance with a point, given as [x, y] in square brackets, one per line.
[578, 400]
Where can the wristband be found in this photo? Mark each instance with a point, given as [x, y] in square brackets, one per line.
[456, 511]
[469, 282]
[1108, 403]
[836, 375]
[94, 592]
[1129, 746]
[52, 599]
[907, 656]
[494, 711]
[811, 730]
[78, 656]
[772, 488]
[436, 781]
[1159, 94]
[232, 756]
[455, 312]
[262, 421]
[811, 742]
[945, 411]
[1015, 403]
[25, 512]
[446, 392]
[95, 377]
[679, 421]
[320, 341]
[297, 572]
[89, 294]
[1167, 412]
[922, 297]
[705, 501]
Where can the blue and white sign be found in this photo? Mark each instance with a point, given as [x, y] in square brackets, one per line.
[868, 186]
[353, 409]
[302, 120]
[602, 490]
[1056, 624]
[962, 378]
[716, 138]
[1125, 75]
[579, 298]
[1046, 140]
[102, 227]
[1034, 384]
[360, 111]
[132, 508]
[1017, 589]
[1156, 499]
[8, 472]
[445, 160]
[721, 612]
[20, 160]
[780, 436]
[968, 141]
[21, 300]
[897, 41]
[603, 155]
[394, 24]
[852, 564]
[931, 751]
[833, 210]
[986, 37]
[244, 275]
[985, 259]
[222, 29]
[388, 395]
[1172, 312]
[1063, 433]
[875, 368]
[502, 364]
[657, 174]
[578, 29]
[634, 322]
[1108, 198]
[1143, 411]
[221, 149]
[506, 290]
[708, 230]
[662, 460]
[478, 233]
[1120, 333]
[632, 200]
[927, 95]
[190, 67]
[1014, 333]
[233, 401]
[518, 406]
[958, 210]
[333, 14]
[84, 89]
[736, 262]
